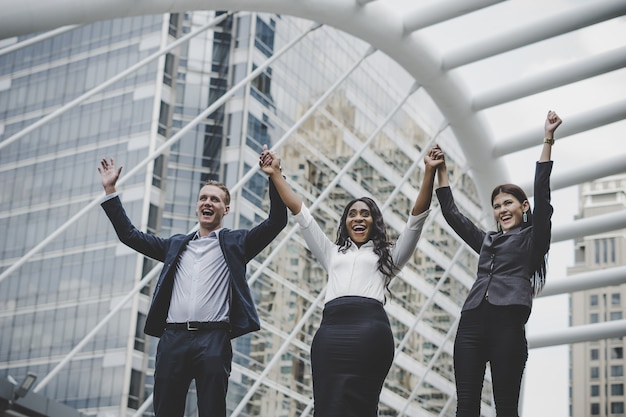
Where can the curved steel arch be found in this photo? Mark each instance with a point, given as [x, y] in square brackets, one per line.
[374, 22]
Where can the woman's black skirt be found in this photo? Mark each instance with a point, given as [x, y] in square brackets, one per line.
[351, 355]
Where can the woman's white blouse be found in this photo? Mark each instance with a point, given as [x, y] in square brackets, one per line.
[355, 272]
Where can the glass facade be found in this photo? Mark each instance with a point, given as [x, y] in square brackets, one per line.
[61, 292]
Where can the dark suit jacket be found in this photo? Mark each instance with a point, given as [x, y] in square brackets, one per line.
[506, 261]
[238, 246]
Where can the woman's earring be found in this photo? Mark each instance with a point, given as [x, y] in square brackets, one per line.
[525, 217]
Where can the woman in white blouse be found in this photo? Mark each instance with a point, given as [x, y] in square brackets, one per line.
[353, 349]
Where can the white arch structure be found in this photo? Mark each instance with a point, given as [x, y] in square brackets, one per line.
[395, 28]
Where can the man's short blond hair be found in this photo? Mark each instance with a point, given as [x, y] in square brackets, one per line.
[221, 186]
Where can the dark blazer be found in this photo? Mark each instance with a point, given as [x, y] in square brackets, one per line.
[238, 246]
[506, 261]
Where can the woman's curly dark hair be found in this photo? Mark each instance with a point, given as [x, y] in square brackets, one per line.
[378, 236]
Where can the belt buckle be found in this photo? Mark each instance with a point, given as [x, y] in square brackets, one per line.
[191, 328]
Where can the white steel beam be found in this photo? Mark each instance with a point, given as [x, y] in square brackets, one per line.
[543, 28]
[578, 334]
[419, 370]
[590, 226]
[611, 165]
[339, 175]
[35, 39]
[17, 18]
[575, 123]
[80, 345]
[278, 354]
[585, 281]
[318, 201]
[159, 151]
[439, 11]
[427, 371]
[100, 87]
[581, 69]
[413, 53]
[396, 401]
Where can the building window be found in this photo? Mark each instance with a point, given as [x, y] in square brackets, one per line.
[612, 250]
[174, 24]
[595, 390]
[261, 88]
[617, 353]
[595, 409]
[221, 53]
[617, 389]
[594, 354]
[168, 70]
[254, 189]
[136, 385]
[164, 117]
[615, 315]
[594, 372]
[605, 250]
[593, 300]
[617, 370]
[617, 407]
[264, 39]
[593, 318]
[616, 299]
[263, 82]
[258, 134]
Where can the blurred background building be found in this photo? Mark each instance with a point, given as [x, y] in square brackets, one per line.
[597, 368]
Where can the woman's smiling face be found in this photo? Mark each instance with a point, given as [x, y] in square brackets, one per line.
[508, 210]
[359, 222]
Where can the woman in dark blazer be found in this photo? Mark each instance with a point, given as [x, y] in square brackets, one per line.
[511, 270]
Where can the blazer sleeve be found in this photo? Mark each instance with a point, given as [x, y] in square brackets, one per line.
[542, 215]
[261, 235]
[150, 245]
[464, 227]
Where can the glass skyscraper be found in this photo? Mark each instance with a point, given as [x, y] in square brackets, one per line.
[367, 137]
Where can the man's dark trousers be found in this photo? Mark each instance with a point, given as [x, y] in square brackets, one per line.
[182, 355]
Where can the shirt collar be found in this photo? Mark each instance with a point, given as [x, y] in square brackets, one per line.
[213, 235]
[368, 244]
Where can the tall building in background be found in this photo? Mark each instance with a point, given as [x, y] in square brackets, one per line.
[597, 368]
[65, 288]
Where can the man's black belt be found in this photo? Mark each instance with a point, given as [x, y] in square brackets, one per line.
[198, 325]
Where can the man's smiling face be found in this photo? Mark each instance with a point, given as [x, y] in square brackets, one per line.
[211, 208]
